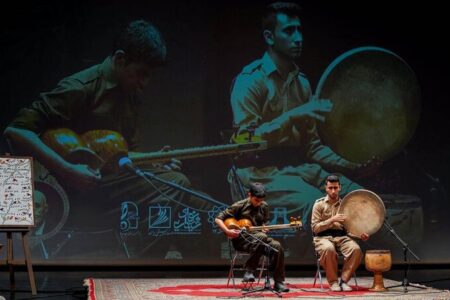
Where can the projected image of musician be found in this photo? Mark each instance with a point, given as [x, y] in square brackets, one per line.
[102, 104]
[273, 99]
[256, 210]
[330, 236]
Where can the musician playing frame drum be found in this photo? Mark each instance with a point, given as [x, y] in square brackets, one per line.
[330, 236]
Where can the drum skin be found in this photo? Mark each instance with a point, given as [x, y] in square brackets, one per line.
[365, 212]
[376, 104]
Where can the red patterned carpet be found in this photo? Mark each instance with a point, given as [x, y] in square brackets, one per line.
[195, 288]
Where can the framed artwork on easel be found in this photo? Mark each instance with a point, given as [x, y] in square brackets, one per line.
[16, 192]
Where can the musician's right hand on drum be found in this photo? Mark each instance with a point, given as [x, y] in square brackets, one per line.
[339, 218]
[232, 233]
[313, 109]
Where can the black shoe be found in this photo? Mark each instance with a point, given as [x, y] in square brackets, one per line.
[248, 277]
[280, 287]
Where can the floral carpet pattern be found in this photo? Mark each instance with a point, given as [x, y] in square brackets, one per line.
[216, 288]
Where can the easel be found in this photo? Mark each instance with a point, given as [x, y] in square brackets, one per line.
[18, 219]
[10, 262]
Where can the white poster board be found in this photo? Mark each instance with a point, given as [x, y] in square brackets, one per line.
[16, 192]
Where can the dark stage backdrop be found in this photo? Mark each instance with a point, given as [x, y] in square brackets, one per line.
[187, 104]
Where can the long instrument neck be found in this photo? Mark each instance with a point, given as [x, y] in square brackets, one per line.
[276, 226]
[197, 152]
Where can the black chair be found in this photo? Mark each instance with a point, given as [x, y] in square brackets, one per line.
[236, 265]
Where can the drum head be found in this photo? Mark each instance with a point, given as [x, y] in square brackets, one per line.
[376, 104]
[364, 210]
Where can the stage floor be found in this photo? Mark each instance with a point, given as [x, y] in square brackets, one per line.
[158, 283]
[214, 288]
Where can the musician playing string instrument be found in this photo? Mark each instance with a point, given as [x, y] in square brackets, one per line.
[255, 209]
[330, 235]
[104, 96]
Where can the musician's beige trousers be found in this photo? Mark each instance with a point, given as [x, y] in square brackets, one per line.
[326, 248]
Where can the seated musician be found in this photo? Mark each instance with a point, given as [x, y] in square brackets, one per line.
[255, 209]
[330, 235]
[104, 96]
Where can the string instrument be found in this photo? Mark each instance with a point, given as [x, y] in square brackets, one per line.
[101, 149]
[246, 224]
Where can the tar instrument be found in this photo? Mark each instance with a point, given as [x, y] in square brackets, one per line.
[365, 212]
[101, 149]
[376, 104]
[246, 224]
[378, 261]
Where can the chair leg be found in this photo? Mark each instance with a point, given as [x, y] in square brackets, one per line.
[246, 285]
[231, 272]
[262, 267]
[320, 279]
[230, 275]
[356, 282]
[315, 278]
[318, 274]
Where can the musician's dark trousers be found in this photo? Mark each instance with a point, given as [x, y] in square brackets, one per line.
[249, 243]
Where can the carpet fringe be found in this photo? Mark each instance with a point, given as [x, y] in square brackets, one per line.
[89, 283]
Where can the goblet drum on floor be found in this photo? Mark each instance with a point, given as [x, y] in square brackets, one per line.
[378, 261]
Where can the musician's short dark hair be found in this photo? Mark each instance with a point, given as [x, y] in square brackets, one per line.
[142, 42]
[257, 190]
[332, 178]
[270, 17]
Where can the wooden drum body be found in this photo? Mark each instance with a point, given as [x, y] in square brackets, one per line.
[378, 261]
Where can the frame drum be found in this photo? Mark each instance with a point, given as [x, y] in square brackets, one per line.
[365, 212]
[376, 104]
